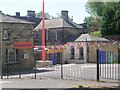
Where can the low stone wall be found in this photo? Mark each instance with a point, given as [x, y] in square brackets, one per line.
[40, 64]
[75, 61]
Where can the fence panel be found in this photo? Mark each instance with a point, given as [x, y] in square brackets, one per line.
[108, 65]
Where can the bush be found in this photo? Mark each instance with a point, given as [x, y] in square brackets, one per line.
[97, 33]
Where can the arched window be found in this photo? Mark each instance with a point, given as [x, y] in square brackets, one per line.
[72, 52]
[81, 55]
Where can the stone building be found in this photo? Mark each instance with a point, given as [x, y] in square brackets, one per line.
[14, 31]
[57, 32]
[84, 50]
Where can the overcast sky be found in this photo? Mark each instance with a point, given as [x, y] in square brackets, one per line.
[76, 8]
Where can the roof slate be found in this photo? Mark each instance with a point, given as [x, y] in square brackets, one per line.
[9, 19]
[58, 23]
[89, 37]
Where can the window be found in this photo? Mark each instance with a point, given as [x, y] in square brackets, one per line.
[5, 34]
[25, 56]
[11, 56]
[72, 52]
[81, 57]
[48, 35]
[35, 34]
[57, 35]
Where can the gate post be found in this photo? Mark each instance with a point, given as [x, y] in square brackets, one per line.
[7, 71]
[61, 65]
[98, 79]
[35, 53]
[1, 70]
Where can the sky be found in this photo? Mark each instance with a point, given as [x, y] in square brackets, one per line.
[76, 8]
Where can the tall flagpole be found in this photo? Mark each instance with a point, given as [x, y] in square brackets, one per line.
[43, 33]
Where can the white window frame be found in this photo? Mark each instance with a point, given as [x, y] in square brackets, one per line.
[5, 34]
[48, 35]
[57, 34]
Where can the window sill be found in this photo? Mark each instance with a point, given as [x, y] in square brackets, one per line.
[5, 39]
[11, 63]
[80, 59]
[72, 58]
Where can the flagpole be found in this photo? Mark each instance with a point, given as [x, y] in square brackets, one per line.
[43, 33]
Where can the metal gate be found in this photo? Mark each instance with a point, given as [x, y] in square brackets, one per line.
[59, 70]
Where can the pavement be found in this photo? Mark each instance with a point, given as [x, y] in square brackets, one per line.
[81, 76]
[54, 83]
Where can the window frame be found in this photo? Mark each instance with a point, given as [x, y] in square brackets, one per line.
[81, 57]
[57, 35]
[72, 54]
[5, 35]
[48, 35]
[8, 61]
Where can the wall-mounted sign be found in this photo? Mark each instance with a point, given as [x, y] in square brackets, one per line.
[55, 50]
[25, 56]
[23, 45]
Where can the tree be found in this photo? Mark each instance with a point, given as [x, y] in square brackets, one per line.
[89, 21]
[108, 14]
[95, 8]
[109, 21]
[46, 15]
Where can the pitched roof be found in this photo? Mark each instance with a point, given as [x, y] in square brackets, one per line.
[9, 19]
[57, 23]
[89, 37]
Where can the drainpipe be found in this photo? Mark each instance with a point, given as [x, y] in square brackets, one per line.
[1, 50]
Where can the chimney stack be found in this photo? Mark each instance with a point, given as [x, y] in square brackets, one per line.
[30, 13]
[64, 15]
[17, 14]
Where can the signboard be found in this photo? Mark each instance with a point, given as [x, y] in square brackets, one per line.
[55, 50]
[25, 56]
[23, 45]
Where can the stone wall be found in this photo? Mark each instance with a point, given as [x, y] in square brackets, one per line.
[17, 33]
[65, 35]
[90, 53]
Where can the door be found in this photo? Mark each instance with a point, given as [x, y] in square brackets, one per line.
[102, 57]
[53, 58]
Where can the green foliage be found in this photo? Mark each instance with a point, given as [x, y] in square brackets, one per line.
[108, 14]
[97, 33]
[40, 15]
[110, 19]
[115, 62]
[89, 21]
[95, 7]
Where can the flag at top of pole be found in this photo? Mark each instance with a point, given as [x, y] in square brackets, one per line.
[43, 33]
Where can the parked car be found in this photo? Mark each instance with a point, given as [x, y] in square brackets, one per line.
[40, 49]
